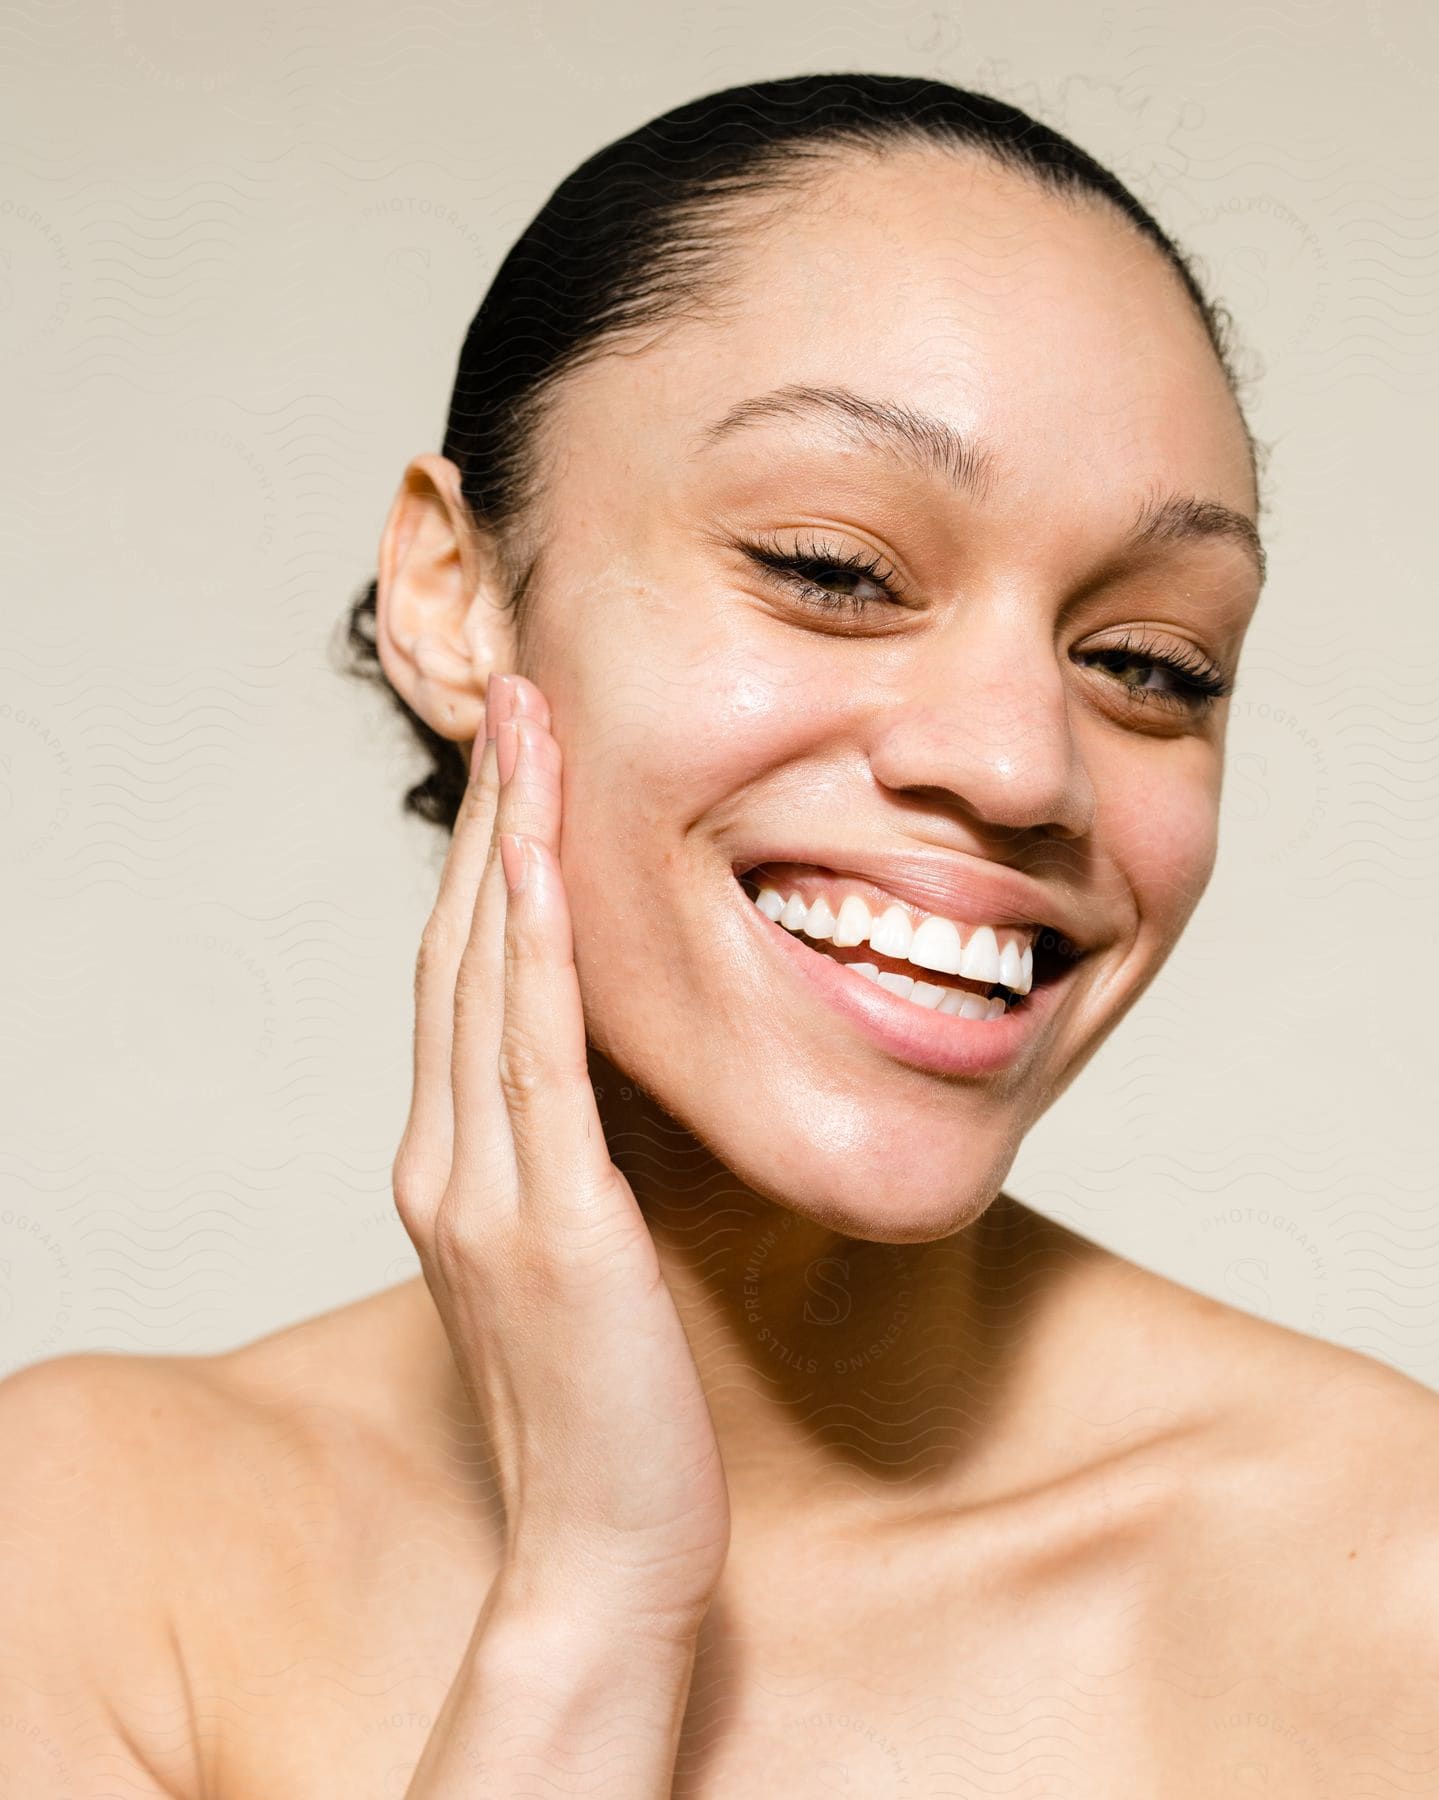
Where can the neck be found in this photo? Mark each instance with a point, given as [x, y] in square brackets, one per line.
[857, 1380]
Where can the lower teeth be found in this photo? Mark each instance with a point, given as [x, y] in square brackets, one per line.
[930, 995]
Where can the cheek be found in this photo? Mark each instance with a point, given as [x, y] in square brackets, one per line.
[661, 753]
[661, 766]
[1158, 827]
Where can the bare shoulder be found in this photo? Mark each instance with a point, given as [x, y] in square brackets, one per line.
[1359, 1455]
[1277, 1512]
[171, 1438]
[92, 1684]
[1352, 1614]
[155, 1508]
[1262, 1404]
[1358, 1436]
[325, 1422]
[336, 1441]
[1320, 1534]
[372, 1380]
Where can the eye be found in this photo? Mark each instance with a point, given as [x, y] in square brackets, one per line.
[1152, 672]
[826, 577]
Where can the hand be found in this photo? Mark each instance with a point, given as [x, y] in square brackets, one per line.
[532, 1244]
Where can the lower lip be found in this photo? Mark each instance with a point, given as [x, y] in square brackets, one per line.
[939, 1042]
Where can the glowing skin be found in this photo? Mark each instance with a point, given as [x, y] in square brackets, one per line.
[997, 1494]
[704, 715]
[710, 719]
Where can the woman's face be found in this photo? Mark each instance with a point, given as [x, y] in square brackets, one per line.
[1027, 386]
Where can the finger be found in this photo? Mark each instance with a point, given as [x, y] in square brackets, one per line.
[484, 1171]
[470, 846]
[559, 1146]
[426, 1146]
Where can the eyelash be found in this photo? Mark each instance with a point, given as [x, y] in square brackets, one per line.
[796, 568]
[1201, 681]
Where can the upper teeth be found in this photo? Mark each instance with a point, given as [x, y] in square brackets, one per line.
[1001, 954]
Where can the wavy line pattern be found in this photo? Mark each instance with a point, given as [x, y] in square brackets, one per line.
[194, 345]
[238, 249]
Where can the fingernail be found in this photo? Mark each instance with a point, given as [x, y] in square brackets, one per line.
[526, 700]
[507, 747]
[514, 854]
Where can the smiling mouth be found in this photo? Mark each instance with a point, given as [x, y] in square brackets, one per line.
[973, 971]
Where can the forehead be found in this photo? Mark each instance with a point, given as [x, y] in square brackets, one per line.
[1049, 332]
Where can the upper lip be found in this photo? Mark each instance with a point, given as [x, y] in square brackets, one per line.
[965, 888]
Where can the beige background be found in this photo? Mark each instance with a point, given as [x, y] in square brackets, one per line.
[239, 247]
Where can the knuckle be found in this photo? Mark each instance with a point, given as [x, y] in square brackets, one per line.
[415, 1191]
[524, 941]
[474, 989]
[524, 1068]
[479, 795]
[452, 1241]
[535, 946]
[459, 1242]
[437, 943]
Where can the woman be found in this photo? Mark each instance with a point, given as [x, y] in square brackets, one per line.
[840, 555]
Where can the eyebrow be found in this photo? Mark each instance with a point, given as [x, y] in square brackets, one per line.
[938, 449]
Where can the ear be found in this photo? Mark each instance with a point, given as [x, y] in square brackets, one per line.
[442, 626]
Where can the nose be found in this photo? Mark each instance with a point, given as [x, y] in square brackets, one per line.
[981, 717]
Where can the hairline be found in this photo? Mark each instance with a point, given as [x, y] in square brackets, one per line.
[779, 170]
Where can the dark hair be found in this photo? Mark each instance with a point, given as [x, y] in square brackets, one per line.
[635, 237]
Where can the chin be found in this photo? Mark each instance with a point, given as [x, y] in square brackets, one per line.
[891, 1211]
[836, 1156]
